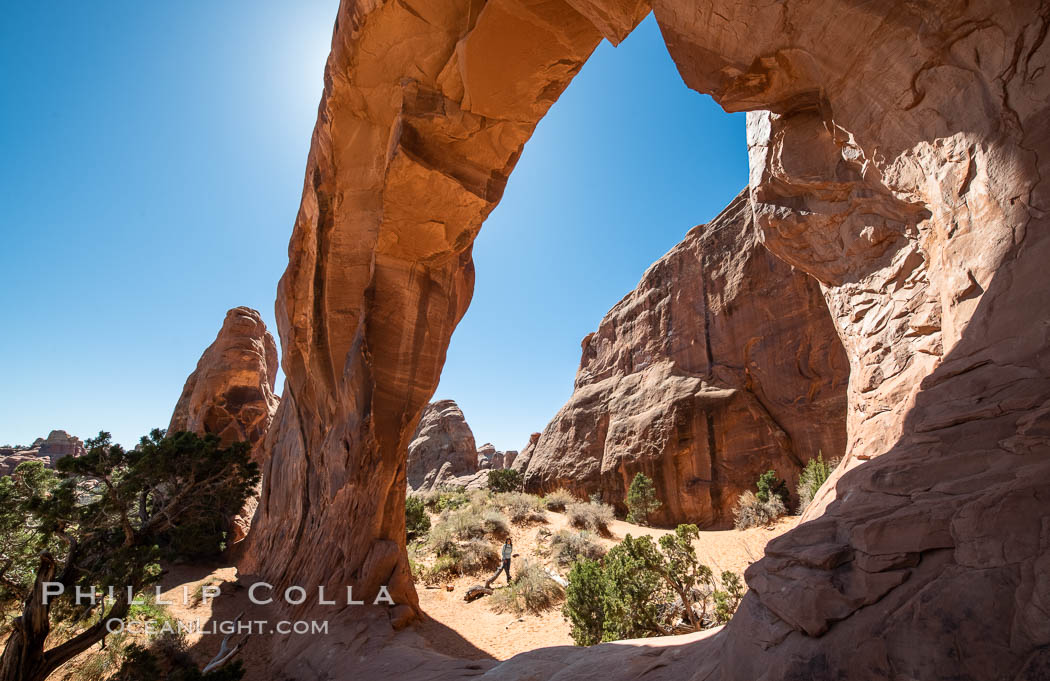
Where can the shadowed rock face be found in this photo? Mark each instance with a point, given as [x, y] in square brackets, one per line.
[230, 393]
[898, 155]
[723, 363]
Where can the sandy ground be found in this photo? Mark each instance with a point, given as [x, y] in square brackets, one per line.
[482, 633]
[452, 626]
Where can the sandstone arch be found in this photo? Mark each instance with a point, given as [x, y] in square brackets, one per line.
[898, 152]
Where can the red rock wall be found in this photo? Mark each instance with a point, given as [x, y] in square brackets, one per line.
[722, 364]
[901, 163]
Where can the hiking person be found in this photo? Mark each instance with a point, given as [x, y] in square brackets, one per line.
[508, 551]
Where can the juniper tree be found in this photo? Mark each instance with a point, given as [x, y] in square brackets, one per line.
[106, 519]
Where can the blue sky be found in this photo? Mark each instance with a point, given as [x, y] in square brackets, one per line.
[153, 158]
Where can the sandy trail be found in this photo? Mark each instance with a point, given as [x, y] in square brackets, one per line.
[475, 631]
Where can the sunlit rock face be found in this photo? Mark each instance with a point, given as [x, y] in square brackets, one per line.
[230, 393]
[897, 155]
[722, 364]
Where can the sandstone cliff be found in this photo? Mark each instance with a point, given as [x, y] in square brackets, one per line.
[230, 393]
[723, 363]
[898, 154]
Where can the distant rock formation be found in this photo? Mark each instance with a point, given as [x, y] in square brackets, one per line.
[491, 459]
[58, 445]
[231, 393]
[723, 363]
[442, 448]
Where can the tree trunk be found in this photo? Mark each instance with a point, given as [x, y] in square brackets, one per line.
[24, 657]
[24, 653]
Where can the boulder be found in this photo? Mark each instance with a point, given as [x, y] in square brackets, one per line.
[722, 364]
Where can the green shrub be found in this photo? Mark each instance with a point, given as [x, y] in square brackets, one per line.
[769, 486]
[591, 516]
[567, 547]
[641, 499]
[521, 507]
[444, 568]
[417, 522]
[728, 597]
[585, 602]
[813, 476]
[505, 480]
[750, 512]
[450, 500]
[558, 499]
[532, 590]
[646, 588]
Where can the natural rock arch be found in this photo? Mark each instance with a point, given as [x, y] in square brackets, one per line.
[897, 155]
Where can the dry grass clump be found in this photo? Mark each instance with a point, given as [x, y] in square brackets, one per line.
[522, 508]
[461, 541]
[751, 512]
[532, 590]
[558, 499]
[475, 556]
[567, 547]
[591, 515]
[495, 523]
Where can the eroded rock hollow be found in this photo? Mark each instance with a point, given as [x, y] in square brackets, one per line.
[722, 364]
[898, 155]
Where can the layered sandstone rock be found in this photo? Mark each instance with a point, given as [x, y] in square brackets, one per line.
[57, 445]
[898, 155]
[442, 448]
[722, 364]
[230, 393]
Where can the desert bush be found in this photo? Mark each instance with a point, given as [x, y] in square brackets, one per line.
[442, 540]
[495, 523]
[417, 522]
[641, 499]
[816, 472]
[769, 486]
[444, 568]
[567, 547]
[521, 507]
[728, 597]
[751, 512]
[532, 590]
[590, 515]
[476, 555]
[558, 499]
[585, 602]
[451, 499]
[166, 657]
[646, 588]
[505, 480]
